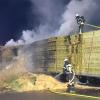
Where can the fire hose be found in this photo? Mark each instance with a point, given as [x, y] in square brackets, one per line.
[74, 94]
[92, 25]
[73, 77]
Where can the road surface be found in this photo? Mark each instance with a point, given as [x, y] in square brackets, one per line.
[38, 96]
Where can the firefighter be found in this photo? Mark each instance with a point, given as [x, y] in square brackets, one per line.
[70, 75]
[69, 69]
[65, 67]
[80, 21]
[71, 78]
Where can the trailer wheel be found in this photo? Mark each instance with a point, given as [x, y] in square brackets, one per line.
[83, 79]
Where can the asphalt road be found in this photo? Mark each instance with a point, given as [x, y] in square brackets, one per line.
[38, 96]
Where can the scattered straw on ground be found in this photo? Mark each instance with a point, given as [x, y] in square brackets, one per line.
[48, 82]
[35, 82]
[31, 82]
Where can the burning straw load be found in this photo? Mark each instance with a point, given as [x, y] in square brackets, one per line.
[17, 66]
[14, 73]
[40, 82]
[31, 82]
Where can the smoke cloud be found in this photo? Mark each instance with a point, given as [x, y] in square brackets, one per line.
[56, 18]
[83, 7]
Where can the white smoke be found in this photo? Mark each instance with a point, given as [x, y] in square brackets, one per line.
[83, 7]
[30, 36]
[53, 25]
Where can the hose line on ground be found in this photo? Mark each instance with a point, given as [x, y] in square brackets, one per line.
[71, 81]
[73, 94]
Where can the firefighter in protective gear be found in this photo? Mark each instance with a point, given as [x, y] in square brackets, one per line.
[80, 22]
[70, 75]
[65, 67]
[68, 71]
